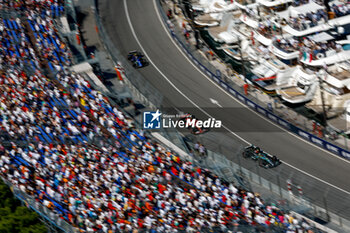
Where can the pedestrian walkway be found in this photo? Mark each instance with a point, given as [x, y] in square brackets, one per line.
[94, 45]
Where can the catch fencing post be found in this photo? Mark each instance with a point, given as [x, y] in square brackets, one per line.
[345, 141]
[250, 175]
[326, 207]
[258, 171]
[289, 187]
[300, 190]
[239, 162]
[279, 186]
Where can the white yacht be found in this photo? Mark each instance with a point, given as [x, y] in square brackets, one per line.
[254, 13]
[208, 19]
[336, 90]
[265, 72]
[213, 6]
[294, 26]
[286, 50]
[261, 25]
[333, 52]
[253, 43]
[323, 48]
[296, 85]
[212, 12]
[275, 4]
[247, 52]
[223, 32]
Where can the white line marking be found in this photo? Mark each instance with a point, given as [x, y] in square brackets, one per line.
[214, 101]
[194, 104]
[166, 78]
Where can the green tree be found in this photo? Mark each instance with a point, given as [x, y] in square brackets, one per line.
[15, 218]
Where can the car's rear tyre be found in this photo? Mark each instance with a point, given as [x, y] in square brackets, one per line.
[262, 163]
[245, 154]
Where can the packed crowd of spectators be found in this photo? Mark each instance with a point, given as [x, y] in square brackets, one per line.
[314, 18]
[308, 48]
[268, 28]
[340, 9]
[129, 183]
[319, 49]
[309, 19]
[302, 21]
[296, 3]
[53, 8]
[47, 40]
[265, 12]
[288, 45]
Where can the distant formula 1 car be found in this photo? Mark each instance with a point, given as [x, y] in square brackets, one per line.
[194, 130]
[137, 59]
[265, 160]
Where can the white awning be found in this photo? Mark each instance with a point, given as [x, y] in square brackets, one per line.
[303, 9]
[309, 7]
[343, 42]
[269, 3]
[322, 36]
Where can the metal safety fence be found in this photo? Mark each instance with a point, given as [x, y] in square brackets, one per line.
[49, 216]
[307, 195]
[288, 195]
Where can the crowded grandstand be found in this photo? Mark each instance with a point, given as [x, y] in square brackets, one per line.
[50, 120]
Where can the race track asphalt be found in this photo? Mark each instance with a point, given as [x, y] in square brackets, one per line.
[332, 173]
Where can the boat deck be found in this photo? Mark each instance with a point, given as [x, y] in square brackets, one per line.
[345, 74]
[291, 92]
[217, 5]
[271, 87]
[215, 31]
[245, 2]
[234, 53]
[206, 18]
